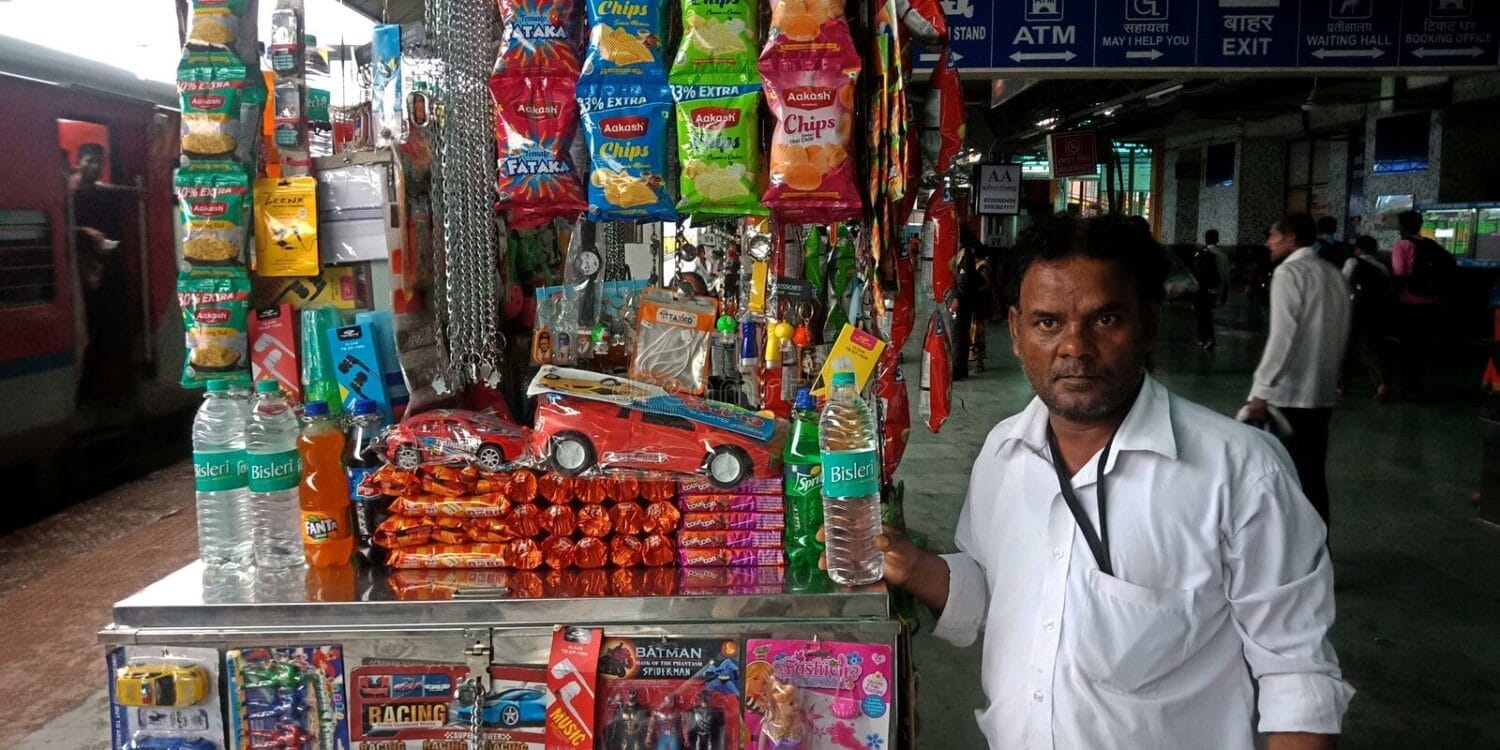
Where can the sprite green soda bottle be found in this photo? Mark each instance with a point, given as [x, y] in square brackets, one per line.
[802, 469]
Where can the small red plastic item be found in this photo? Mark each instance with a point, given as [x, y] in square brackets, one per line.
[558, 553]
[525, 520]
[525, 554]
[593, 520]
[455, 435]
[661, 518]
[657, 551]
[625, 551]
[559, 520]
[591, 552]
[628, 518]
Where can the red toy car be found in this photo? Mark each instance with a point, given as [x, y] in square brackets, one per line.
[578, 434]
[455, 434]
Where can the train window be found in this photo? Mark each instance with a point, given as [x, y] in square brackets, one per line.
[27, 275]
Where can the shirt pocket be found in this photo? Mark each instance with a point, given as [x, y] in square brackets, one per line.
[1132, 635]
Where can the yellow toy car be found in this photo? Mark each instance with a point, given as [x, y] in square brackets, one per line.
[161, 684]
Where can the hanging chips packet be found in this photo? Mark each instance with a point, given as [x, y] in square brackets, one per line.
[626, 128]
[213, 88]
[718, 148]
[811, 175]
[943, 128]
[218, 23]
[809, 27]
[286, 227]
[718, 42]
[538, 38]
[215, 313]
[535, 120]
[214, 212]
[625, 42]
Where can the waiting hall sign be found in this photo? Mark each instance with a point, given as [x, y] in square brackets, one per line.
[1149, 36]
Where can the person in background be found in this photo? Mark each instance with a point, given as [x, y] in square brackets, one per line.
[962, 306]
[1370, 295]
[1144, 572]
[1299, 368]
[1330, 247]
[1418, 316]
[981, 299]
[1211, 285]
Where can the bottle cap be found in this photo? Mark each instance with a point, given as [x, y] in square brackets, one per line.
[804, 399]
[217, 386]
[267, 386]
[843, 378]
[362, 406]
[315, 409]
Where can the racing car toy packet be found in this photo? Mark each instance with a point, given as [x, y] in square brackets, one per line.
[411, 706]
[625, 42]
[215, 306]
[718, 42]
[626, 128]
[683, 688]
[162, 695]
[291, 695]
[936, 399]
[539, 38]
[811, 173]
[718, 146]
[808, 28]
[535, 120]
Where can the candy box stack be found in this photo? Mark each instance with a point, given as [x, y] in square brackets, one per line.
[736, 528]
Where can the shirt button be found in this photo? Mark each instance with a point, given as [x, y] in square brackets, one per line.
[1056, 553]
[1036, 695]
[1049, 623]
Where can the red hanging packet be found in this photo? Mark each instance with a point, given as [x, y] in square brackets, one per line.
[940, 240]
[937, 374]
[535, 121]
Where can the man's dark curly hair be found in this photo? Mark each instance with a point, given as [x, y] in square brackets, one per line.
[1125, 241]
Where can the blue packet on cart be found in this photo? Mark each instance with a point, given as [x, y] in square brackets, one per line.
[626, 128]
[625, 42]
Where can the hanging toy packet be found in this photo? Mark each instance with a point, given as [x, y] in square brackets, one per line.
[625, 42]
[936, 400]
[626, 128]
[718, 42]
[809, 28]
[535, 118]
[538, 38]
[718, 146]
[812, 177]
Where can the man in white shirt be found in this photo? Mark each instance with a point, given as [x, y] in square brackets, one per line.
[1299, 369]
[1178, 598]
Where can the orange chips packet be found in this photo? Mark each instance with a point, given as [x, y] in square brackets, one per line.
[812, 173]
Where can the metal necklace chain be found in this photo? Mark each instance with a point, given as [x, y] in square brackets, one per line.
[462, 32]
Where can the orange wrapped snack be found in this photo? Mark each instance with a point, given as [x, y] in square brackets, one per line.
[525, 554]
[625, 551]
[449, 480]
[658, 490]
[492, 505]
[558, 553]
[390, 480]
[522, 487]
[624, 490]
[560, 584]
[450, 531]
[594, 521]
[628, 518]
[661, 518]
[658, 551]
[426, 585]
[625, 582]
[451, 556]
[593, 583]
[812, 173]
[490, 530]
[401, 531]
[592, 491]
[591, 552]
[659, 582]
[525, 520]
[555, 488]
[526, 584]
[559, 520]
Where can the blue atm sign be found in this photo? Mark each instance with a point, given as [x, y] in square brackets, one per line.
[1144, 36]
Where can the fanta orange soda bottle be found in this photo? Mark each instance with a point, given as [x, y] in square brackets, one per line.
[324, 491]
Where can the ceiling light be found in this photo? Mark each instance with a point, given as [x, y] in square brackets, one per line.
[1049, 122]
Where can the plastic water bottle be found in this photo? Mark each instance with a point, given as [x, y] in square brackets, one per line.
[220, 474]
[802, 476]
[275, 470]
[851, 485]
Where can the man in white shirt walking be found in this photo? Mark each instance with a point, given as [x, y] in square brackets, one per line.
[1299, 369]
[1145, 572]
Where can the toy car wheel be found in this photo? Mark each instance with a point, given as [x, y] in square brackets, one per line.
[728, 466]
[408, 457]
[572, 453]
[510, 716]
[490, 457]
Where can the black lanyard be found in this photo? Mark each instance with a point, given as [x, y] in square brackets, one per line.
[1098, 540]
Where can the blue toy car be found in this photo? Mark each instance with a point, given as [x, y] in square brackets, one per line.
[171, 743]
[509, 708]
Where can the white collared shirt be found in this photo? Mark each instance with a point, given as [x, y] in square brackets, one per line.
[1219, 562]
[1309, 329]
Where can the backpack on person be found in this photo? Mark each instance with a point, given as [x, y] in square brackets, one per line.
[1369, 286]
[1432, 268]
[1206, 270]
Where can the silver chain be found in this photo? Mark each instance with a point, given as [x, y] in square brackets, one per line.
[462, 33]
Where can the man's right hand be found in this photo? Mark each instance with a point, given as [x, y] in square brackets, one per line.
[907, 566]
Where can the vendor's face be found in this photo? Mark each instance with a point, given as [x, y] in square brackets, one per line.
[1082, 334]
